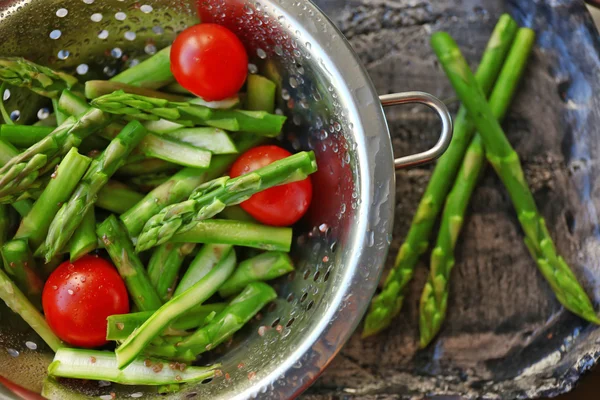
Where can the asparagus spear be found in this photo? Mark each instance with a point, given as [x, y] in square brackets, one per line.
[47, 150]
[39, 79]
[7, 150]
[388, 303]
[23, 135]
[180, 186]
[19, 263]
[102, 365]
[169, 312]
[237, 233]
[209, 257]
[5, 224]
[148, 182]
[261, 94]
[71, 214]
[60, 115]
[122, 325]
[505, 162]
[164, 266]
[95, 89]
[435, 294]
[215, 140]
[117, 197]
[188, 114]
[147, 166]
[20, 304]
[119, 247]
[212, 197]
[23, 207]
[84, 239]
[241, 309]
[264, 267]
[236, 213]
[153, 73]
[64, 180]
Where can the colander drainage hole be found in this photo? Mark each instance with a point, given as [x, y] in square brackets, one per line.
[306, 274]
[276, 322]
[303, 298]
[191, 395]
[290, 322]
[317, 274]
[290, 297]
[310, 305]
[207, 381]
[326, 277]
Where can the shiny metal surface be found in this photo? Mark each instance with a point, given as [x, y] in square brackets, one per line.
[332, 108]
[440, 108]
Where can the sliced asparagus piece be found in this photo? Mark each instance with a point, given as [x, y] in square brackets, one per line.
[119, 247]
[180, 186]
[507, 165]
[261, 94]
[122, 325]
[35, 225]
[147, 166]
[23, 135]
[164, 266]
[23, 207]
[39, 79]
[236, 213]
[388, 303]
[188, 114]
[117, 197]
[264, 267]
[20, 304]
[207, 258]
[60, 115]
[215, 140]
[70, 214]
[169, 312]
[212, 197]
[148, 182]
[237, 233]
[241, 309]
[95, 89]
[102, 365]
[84, 239]
[20, 265]
[7, 150]
[153, 73]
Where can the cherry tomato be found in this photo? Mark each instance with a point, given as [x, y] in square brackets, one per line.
[79, 296]
[209, 61]
[280, 205]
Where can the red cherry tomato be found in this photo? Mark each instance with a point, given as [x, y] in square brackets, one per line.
[79, 296]
[280, 205]
[209, 61]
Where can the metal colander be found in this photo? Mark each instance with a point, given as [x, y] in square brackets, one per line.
[333, 109]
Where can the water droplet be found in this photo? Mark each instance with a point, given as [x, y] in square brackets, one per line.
[103, 34]
[116, 52]
[146, 8]
[134, 62]
[248, 10]
[61, 12]
[150, 49]
[120, 16]
[88, 1]
[96, 17]
[12, 352]
[252, 68]
[293, 82]
[15, 115]
[106, 397]
[158, 30]
[6, 94]
[130, 35]
[104, 383]
[278, 50]
[31, 345]
[261, 53]
[82, 69]
[285, 94]
[55, 34]
[64, 54]
[136, 395]
[43, 113]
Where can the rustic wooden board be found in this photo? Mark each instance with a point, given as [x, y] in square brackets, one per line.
[505, 336]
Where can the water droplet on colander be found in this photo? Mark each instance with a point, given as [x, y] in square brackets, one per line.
[31, 345]
[82, 69]
[158, 30]
[88, 1]
[103, 34]
[130, 35]
[61, 12]
[248, 10]
[120, 16]
[146, 8]
[64, 54]
[116, 52]
[261, 53]
[285, 94]
[278, 50]
[43, 113]
[12, 352]
[293, 82]
[15, 115]
[134, 62]
[96, 17]
[55, 34]
[136, 395]
[109, 71]
[104, 383]
[252, 68]
[6, 94]
[106, 397]
[150, 48]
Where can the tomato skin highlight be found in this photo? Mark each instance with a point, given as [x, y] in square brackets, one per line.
[79, 296]
[210, 61]
[280, 205]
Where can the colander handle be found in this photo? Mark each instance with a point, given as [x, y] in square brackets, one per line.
[442, 111]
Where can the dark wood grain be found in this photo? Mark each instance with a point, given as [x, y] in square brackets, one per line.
[506, 335]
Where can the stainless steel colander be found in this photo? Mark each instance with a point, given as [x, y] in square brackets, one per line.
[333, 109]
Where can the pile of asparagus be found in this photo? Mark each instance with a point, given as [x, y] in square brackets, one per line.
[57, 202]
[455, 177]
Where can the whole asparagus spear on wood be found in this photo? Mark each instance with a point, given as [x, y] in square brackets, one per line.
[71, 213]
[42, 80]
[388, 303]
[212, 197]
[435, 294]
[507, 165]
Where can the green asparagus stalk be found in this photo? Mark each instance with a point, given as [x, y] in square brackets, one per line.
[236, 213]
[84, 239]
[147, 166]
[71, 214]
[261, 94]
[19, 172]
[241, 309]
[7, 150]
[35, 225]
[164, 266]
[209, 257]
[120, 248]
[169, 312]
[264, 267]
[148, 182]
[153, 73]
[180, 186]
[237, 233]
[23, 207]
[212, 197]
[388, 303]
[215, 140]
[23, 135]
[20, 304]
[49, 267]
[506, 163]
[435, 294]
[117, 197]
[188, 114]
[122, 325]
[102, 365]
[5, 224]
[39, 79]
[19, 263]
[60, 115]
[52, 389]
[94, 89]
